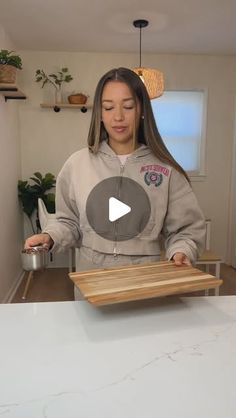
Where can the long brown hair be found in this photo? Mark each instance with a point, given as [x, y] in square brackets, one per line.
[147, 134]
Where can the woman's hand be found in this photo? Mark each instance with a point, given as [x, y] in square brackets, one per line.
[39, 239]
[181, 259]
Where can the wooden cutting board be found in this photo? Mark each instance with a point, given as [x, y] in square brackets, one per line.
[143, 281]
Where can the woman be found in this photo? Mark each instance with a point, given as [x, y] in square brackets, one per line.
[124, 145]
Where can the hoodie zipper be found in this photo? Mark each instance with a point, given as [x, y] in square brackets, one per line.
[122, 167]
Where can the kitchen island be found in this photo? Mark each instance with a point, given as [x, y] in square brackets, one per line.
[168, 357]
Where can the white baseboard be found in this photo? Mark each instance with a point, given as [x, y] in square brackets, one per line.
[13, 289]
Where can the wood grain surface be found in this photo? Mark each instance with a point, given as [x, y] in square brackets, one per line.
[143, 281]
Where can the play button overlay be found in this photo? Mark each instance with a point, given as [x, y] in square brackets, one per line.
[118, 208]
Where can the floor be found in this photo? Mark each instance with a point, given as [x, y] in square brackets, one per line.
[54, 285]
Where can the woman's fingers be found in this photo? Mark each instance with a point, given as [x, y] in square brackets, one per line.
[181, 259]
[39, 239]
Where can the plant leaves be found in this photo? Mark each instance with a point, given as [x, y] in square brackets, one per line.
[49, 200]
[38, 175]
[36, 180]
[29, 194]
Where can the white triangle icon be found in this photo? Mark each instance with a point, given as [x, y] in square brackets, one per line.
[117, 209]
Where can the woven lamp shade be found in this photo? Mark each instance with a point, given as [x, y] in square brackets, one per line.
[153, 81]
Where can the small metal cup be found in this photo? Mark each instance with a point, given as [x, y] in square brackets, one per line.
[34, 258]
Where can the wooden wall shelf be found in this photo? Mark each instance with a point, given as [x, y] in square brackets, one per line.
[11, 91]
[58, 106]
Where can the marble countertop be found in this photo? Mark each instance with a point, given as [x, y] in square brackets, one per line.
[169, 358]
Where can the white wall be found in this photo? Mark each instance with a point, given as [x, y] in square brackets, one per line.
[48, 138]
[10, 218]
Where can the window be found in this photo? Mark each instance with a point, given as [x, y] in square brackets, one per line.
[180, 117]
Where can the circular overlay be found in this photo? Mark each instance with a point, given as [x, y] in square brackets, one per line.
[127, 192]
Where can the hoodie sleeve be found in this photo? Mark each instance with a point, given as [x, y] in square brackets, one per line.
[65, 230]
[184, 226]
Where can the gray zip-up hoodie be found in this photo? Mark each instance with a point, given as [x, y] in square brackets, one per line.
[175, 212]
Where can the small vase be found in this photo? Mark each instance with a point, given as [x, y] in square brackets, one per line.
[58, 96]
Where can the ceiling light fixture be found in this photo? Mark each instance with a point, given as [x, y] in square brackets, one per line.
[153, 79]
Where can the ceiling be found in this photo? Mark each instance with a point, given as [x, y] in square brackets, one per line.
[176, 26]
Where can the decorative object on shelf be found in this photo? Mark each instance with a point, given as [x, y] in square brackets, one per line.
[30, 193]
[78, 98]
[58, 95]
[55, 79]
[152, 78]
[9, 64]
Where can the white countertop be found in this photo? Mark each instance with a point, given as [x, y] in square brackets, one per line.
[167, 358]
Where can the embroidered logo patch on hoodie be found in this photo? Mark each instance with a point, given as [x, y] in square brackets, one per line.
[153, 174]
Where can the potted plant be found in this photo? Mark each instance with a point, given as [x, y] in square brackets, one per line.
[55, 79]
[9, 64]
[30, 193]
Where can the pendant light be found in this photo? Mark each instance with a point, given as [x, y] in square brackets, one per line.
[152, 78]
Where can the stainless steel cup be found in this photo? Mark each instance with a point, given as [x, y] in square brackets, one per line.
[35, 258]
